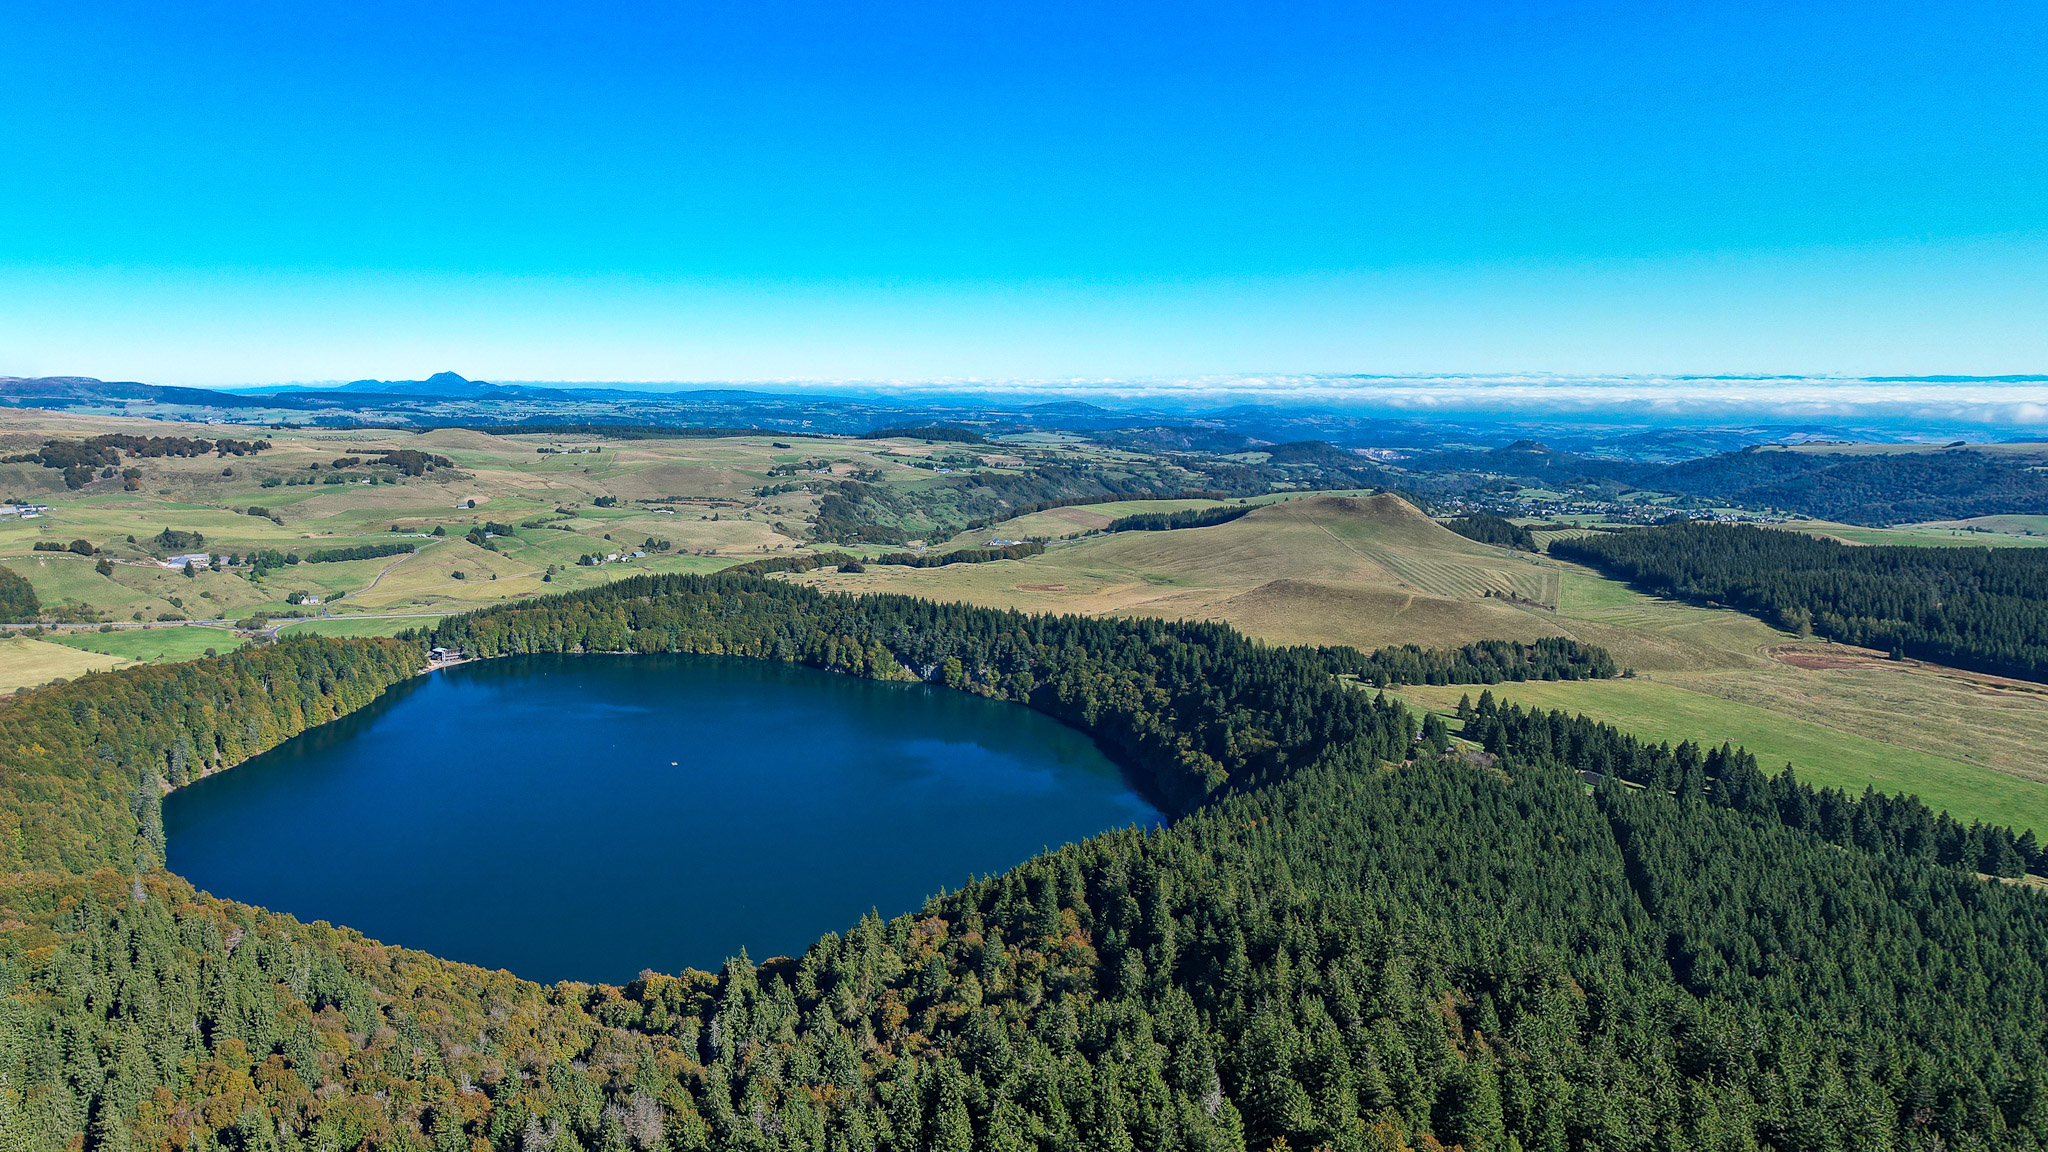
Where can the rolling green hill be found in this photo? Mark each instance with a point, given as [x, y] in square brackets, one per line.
[1360, 570]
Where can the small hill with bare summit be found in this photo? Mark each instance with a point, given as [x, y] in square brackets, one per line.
[1360, 570]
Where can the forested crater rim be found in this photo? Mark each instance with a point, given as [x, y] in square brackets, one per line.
[1310, 904]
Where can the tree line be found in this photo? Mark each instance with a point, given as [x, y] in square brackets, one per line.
[1484, 662]
[1979, 608]
[1104, 496]
[846, 561]
[945, 433]
[79, 459]
[1185, 518]
[1017, 551]
[1865, 488]
[1493, 530]
[1728, 777]
[366, 551]
[18, 601]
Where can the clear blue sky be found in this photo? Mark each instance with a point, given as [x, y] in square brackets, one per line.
[216, 192]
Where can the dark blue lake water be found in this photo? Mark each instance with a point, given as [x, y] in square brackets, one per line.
[588, 817]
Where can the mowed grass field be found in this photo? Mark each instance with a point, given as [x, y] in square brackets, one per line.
[1822, 755]
[358, 626]
[166, 642]
[1324, 569]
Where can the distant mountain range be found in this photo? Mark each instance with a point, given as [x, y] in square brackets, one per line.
[69, 391]
[444, 384]
[451, 398]
[1572, 448]
[66, 391]
[455, 386]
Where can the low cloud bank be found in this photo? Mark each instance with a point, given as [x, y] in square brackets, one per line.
[2017, 404]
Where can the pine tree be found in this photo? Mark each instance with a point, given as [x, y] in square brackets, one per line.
[1470, 1110]
[1435, 734]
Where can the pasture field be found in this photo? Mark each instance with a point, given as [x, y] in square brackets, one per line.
[1977, 533]
[2009, 525]
[2026, 448]
[1319, 569]
[26, 662]
[1074, 520]
[357, 625]
[1327, 569]
[1985, 721]
[698, 496]
[1822, 755]
[150, 644]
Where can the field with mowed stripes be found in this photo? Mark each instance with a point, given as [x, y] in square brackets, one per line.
[1328, 569]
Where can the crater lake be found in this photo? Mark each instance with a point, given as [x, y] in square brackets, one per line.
[589, 817]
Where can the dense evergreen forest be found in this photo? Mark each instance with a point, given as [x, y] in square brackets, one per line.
[1356, 935]
[1186, 518]
[1877, 488]
[1016, 551]
[1979, 608]
[945, 433]
[1492, 530]
[362, 552]
[18, 600]
[1487, 662]
[812, 561]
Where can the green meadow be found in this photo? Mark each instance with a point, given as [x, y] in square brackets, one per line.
[1821, 755]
